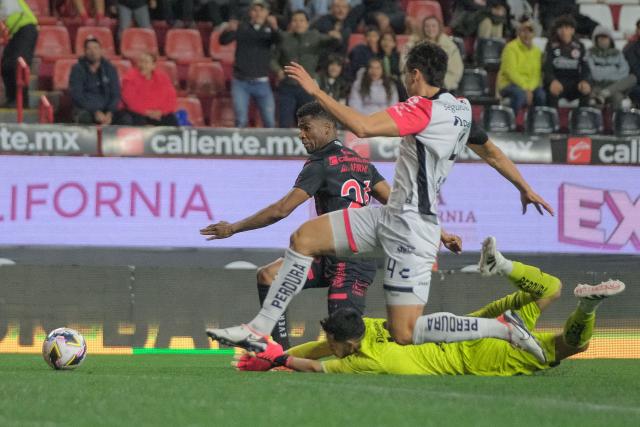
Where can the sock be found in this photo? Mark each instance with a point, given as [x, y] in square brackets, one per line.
[533, 280]
[513, 301]
[279, 332]
[447, 327]
[579, 327]
[503, 265]
[589, 306]
[288, 283]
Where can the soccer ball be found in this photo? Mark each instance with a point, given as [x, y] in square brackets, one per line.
[64, 348]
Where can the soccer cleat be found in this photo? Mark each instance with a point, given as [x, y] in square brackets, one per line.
[520, 337]
[240, 336]
[490, 257]
[599, 292]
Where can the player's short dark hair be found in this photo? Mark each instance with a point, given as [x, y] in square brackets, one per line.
[314, 110]
[344, 324]
[431, 60]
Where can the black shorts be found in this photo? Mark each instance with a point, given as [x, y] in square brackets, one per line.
[347, 281]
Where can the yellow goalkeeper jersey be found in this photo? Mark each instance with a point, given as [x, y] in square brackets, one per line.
[378, 354]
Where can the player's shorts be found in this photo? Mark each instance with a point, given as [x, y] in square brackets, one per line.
[408, 241]
[348, 281]
[497, 357]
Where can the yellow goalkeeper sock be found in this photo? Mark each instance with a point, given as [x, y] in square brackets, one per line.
[513, 301]
[533, 280]
[579, 328]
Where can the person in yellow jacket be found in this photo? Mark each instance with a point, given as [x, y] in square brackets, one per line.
[520, 76]
[21, 25]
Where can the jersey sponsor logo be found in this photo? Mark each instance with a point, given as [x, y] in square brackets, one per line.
[405, 249]
[579, 151]
[583, 219]
[458, 121]
[454, 108]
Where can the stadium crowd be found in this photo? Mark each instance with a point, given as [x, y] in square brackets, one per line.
[514, 54]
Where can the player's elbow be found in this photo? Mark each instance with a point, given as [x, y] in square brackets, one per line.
[360, 131]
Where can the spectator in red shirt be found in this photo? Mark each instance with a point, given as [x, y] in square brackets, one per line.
[148, 95]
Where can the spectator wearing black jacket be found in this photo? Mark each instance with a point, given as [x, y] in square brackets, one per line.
[565, 69]
[95, 87]
[372, 10]
[361, 54]
[338, 19]
[255, 39]
[632, 55]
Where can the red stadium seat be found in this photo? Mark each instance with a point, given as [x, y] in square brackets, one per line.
[354, 40]
[184, 46]
[171, 69]
[417, 10]
[122, 65]
[137, 40]
[61, 72]
[53, 43]
[205, 78]
[221, 114]
[40, 8]
[226, 54]
[194, 110]
[104, 36]
[402, 40]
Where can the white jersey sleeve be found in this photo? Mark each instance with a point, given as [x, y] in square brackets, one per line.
[435, 131]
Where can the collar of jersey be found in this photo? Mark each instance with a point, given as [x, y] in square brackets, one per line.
[437, 95]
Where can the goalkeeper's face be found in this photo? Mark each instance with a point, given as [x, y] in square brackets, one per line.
[342, 349]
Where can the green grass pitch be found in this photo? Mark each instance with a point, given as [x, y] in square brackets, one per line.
[203, 390]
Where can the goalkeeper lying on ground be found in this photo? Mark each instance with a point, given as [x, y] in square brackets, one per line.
[365, 346]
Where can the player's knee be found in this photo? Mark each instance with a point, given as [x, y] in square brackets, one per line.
[301, 242]
[263, 275]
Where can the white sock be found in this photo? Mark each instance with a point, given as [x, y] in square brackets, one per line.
[504, 266]
[288, 283]
[447, 327]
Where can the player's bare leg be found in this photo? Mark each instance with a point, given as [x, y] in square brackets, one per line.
[313, 238]
[401, 320]
[579, 326]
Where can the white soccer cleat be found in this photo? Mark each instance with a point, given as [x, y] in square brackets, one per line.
[490, 257]
[240, 336]
[598, 292]
[520, 337]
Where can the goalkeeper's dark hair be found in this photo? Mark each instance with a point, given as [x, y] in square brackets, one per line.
[431, 60]
[314, 110]
[344, 324]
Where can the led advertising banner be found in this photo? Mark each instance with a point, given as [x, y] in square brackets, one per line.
[147, 202]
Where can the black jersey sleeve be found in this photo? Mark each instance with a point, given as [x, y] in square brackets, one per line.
[375, 175]
[477, 136]
[311, 177]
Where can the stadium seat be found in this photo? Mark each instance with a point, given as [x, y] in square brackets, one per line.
[601, 13]
[53, 43]
[171, 69]
[474, 83]
[585, 121]
[184, 46]
[221, 114]
[498, 118]
[194, 110]
[205, 78]
[103, 34]
[626, 122]
[122, 65]
[542, 120]
[61, 73]
[137, 40]
[420, 9]
[488, 53]
[226, 54]
[629, 14]
[354, 40]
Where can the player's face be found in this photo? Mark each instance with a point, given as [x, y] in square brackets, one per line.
[341, 349]
[314, 133]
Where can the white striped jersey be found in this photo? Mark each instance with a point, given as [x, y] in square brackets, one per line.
[435, 131]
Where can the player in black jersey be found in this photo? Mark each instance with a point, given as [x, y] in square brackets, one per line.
[338, 178]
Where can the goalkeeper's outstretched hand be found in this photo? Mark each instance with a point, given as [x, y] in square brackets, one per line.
[249, 362]
[274, 353]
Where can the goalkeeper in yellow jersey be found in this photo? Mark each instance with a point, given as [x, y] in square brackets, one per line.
[363, 345]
